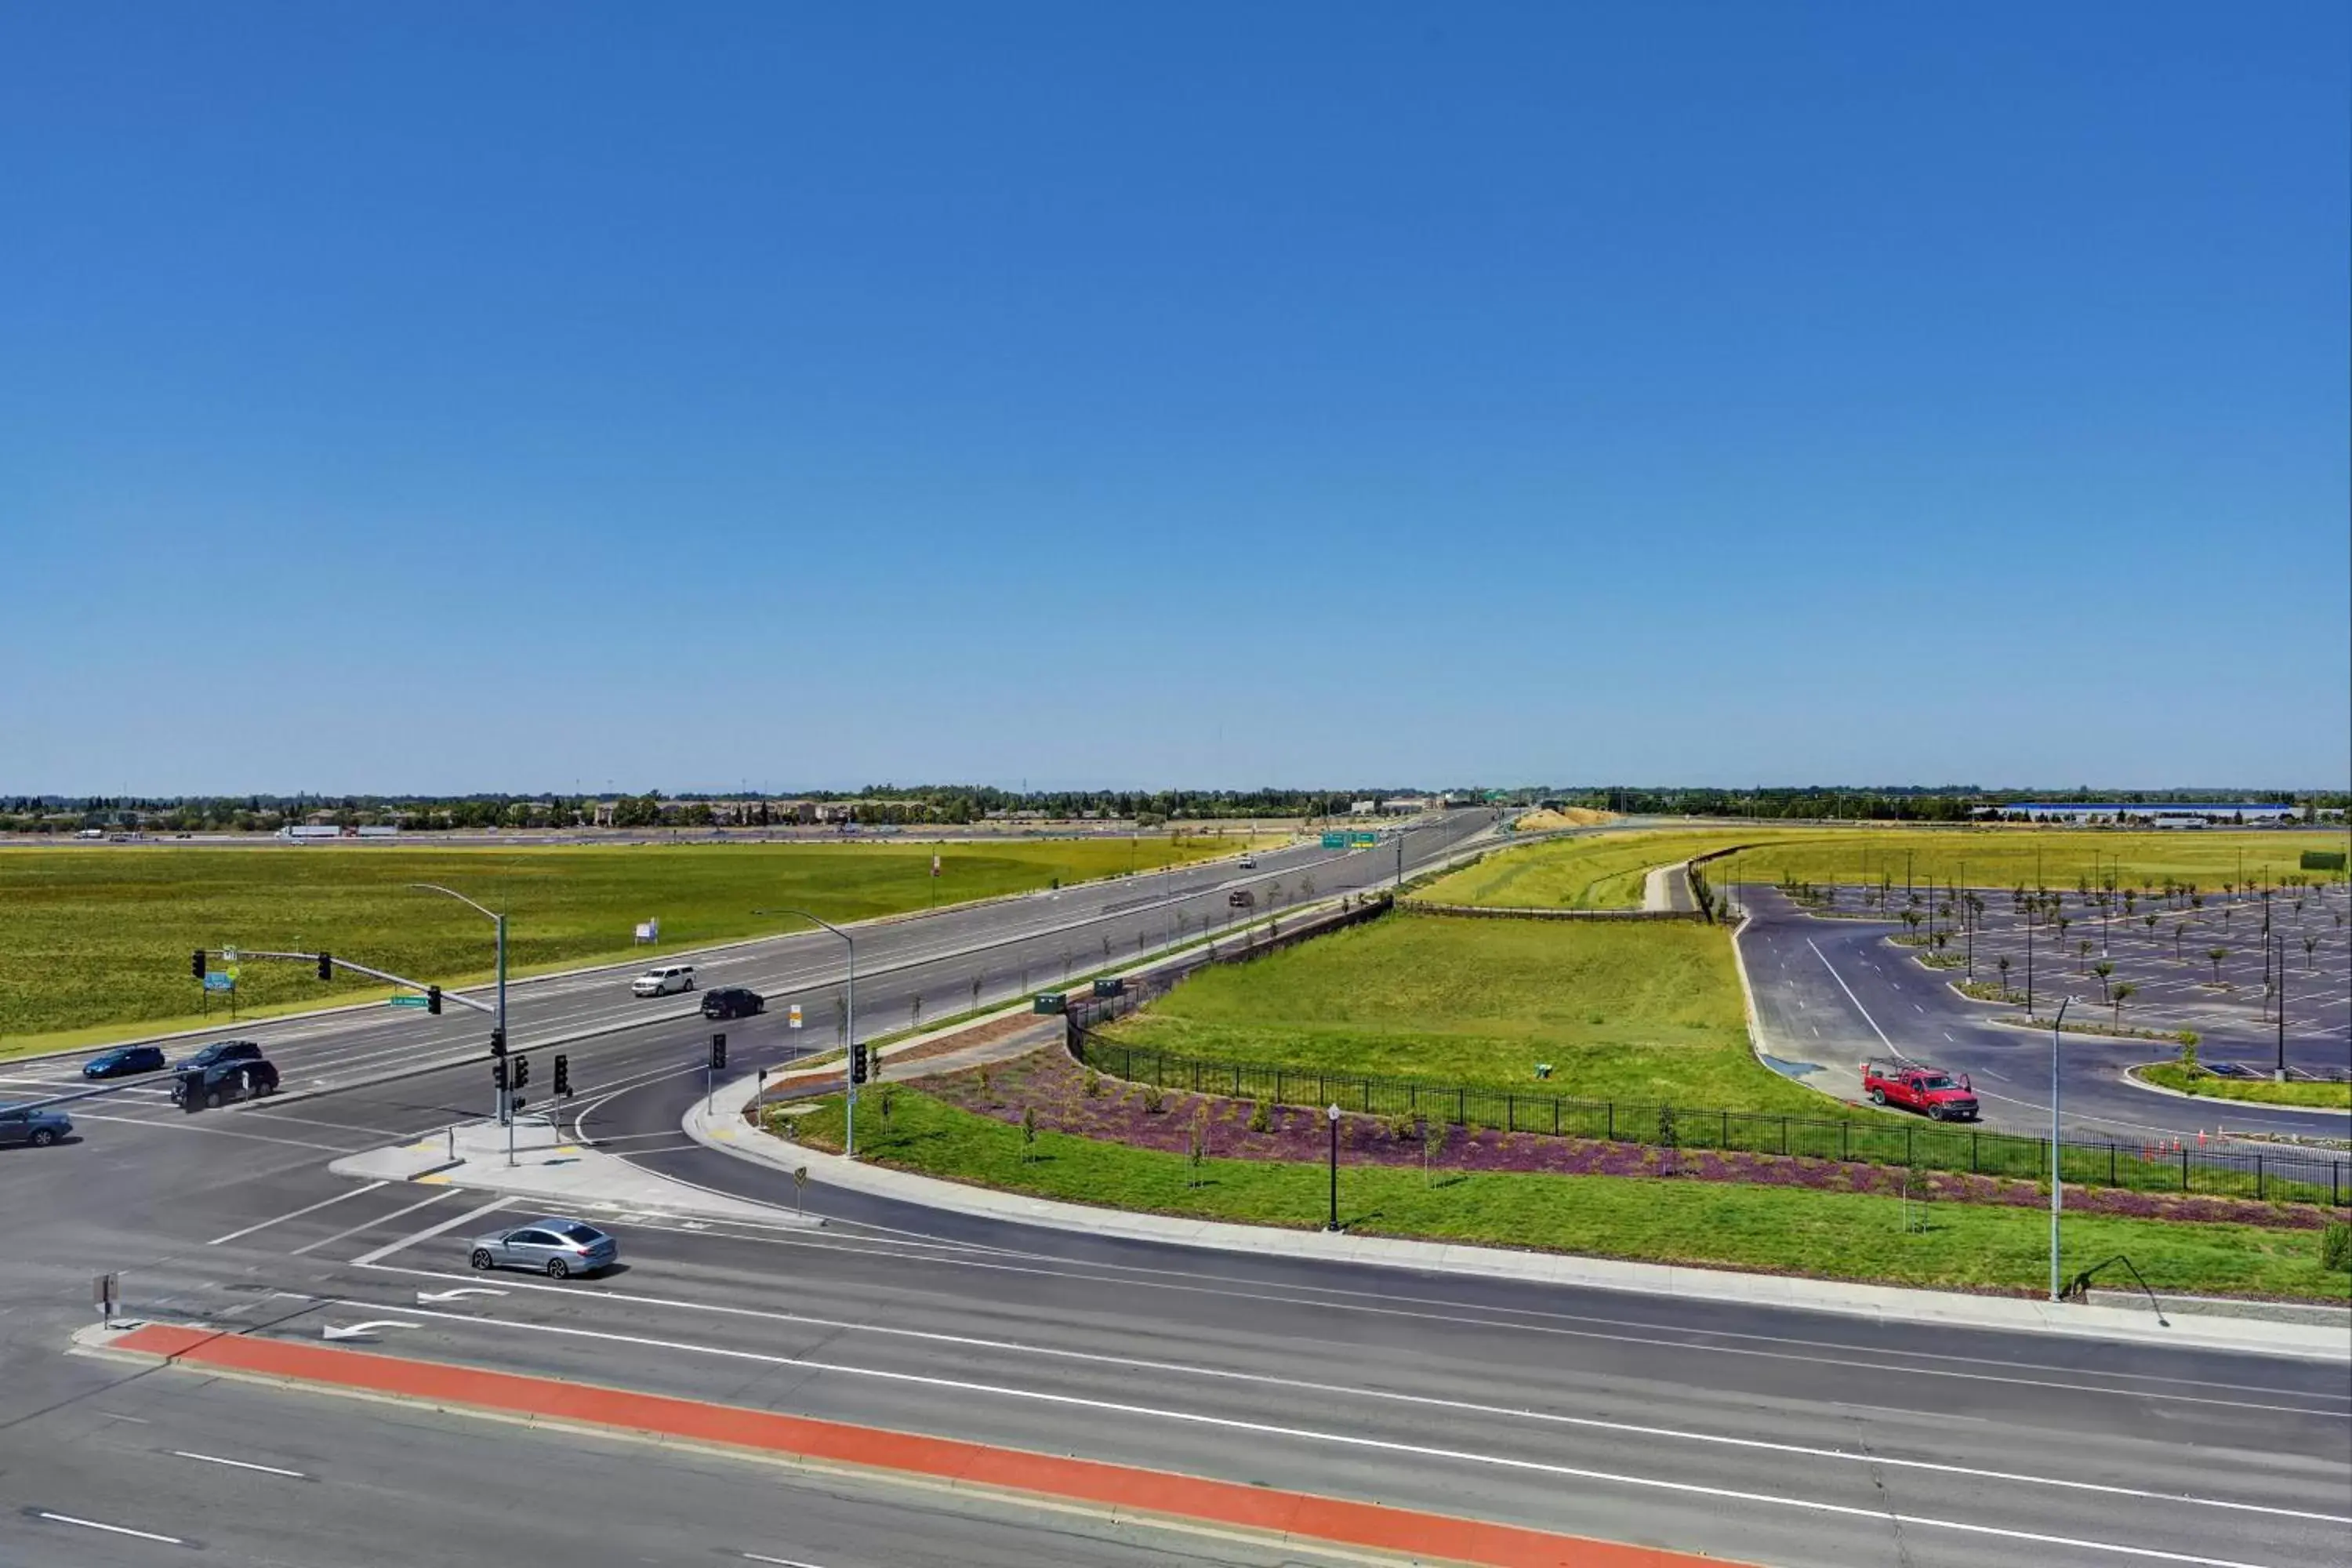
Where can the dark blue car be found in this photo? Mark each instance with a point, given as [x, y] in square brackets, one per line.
[122, 1061]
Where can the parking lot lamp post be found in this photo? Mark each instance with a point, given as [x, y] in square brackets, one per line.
[2057, 1183]
[2279, 1075]
[2028, 963]
[848, 1027]
[501, 922]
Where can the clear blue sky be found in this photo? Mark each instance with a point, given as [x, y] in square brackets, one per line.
[449, 397]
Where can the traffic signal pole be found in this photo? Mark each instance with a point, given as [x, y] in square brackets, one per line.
[849, 1026]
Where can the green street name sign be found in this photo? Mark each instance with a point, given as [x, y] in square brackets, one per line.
[405, 1001]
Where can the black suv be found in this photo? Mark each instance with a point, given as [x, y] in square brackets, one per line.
[732, 1002]
[220, 1051]
[244, 1079]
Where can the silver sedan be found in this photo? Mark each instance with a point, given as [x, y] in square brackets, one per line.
[557, 1249]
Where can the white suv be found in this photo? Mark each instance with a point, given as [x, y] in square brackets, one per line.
[661, 981]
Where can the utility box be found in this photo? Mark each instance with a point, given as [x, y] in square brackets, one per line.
[1052, 1001]
[1112, 986]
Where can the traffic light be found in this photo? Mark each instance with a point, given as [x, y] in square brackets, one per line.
[197, 964]
[497, 1042]
[499, 1073]
[718, 1053]
[326, 966]
[563, 1078]
[432, 999]
[522, 1071]
[857, 1062]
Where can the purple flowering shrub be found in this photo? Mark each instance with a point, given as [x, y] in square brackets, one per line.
[1051, 1083]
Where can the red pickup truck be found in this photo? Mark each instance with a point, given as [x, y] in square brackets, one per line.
[1932, 1090]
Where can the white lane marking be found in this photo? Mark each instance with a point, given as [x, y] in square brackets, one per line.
[239, 1464]
[1345, 1439]
[1947, 1035]
[366, 1223]
[780, 1562]
[589, 1290]
[1469, 1407]
[1854, 999]
[432, 1230]
[1915, 1008]
[297, 1214]
[189, 1125]
[112, 1528]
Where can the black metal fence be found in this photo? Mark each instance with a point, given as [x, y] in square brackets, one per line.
[2284, 1176]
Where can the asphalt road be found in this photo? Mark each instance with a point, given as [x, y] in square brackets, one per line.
[1772, 1436]
[1830, 993]
[952, 959]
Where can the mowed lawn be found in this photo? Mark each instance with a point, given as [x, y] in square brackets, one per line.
[1839, 1236]
[1636, 1013]
[2009, 857]
[1607, 871]
[101, 936]
[1603, 871]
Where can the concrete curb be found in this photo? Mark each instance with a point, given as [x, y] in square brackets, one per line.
[726, 1132]
[2130, 1075]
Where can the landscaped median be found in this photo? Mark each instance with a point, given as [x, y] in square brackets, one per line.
[2187, 1078]
[1033, 1127]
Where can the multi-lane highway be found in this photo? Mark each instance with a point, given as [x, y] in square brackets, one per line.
[1761, 1436]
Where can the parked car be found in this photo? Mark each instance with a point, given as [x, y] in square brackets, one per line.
[732, 1002]
[34, 1124]
[1919, 1088]
[223, 1082]
[123, 1060]
[557, 1249]
[218, 1052]
[662, 981]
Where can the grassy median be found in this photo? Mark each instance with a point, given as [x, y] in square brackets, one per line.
[1603, 871]
[1829, 1235]
[1638, 1012]
[2262, 1091]
[99, 938]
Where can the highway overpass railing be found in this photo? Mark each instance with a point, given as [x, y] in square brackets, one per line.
[2285, 1176]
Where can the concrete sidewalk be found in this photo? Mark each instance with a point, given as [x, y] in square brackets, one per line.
[723, 1127]
[473, 1155]
[1667, 888]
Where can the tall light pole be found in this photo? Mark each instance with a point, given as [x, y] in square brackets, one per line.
[2057, 1182]
[505, 1114]
[848, 1027]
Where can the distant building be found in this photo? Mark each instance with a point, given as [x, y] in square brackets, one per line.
[2168, 814]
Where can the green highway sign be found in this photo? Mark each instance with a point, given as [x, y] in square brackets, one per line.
[406, 1000]
[1362, 839]
[1335, 841]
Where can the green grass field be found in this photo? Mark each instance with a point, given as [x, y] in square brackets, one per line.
[1636, 1013]
[1841, 1236]
[97, 939]
[2007, 857]
[1606, 871]
[2264, 1092]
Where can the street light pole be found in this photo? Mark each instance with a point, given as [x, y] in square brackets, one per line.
[848, 1027]
[506, 1114]
[2057, 1181]
[1331, 1113]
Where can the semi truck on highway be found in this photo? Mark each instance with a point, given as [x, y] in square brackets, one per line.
[1932, 1091]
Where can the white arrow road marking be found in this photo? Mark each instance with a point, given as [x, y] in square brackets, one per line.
[332, 1332]
[427, 1298]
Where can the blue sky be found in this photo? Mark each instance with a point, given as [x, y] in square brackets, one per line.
[449, 398]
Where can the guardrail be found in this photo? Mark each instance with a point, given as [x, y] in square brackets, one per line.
[1889, 1140]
